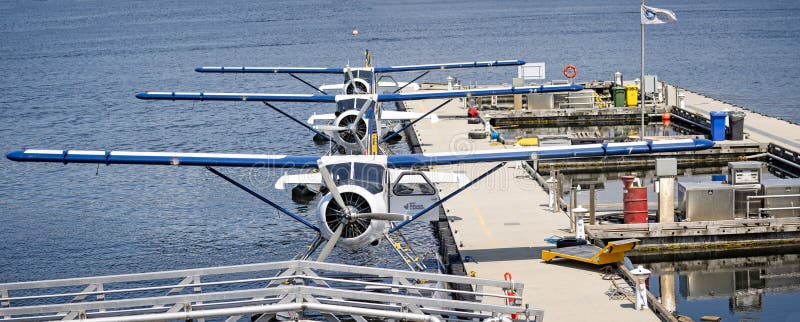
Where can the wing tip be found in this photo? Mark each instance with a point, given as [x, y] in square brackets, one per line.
[703, 144]
[15, 155]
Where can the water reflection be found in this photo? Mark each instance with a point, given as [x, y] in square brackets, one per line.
[759, 287]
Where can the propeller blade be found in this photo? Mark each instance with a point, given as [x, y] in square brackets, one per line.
[362, 111]
[323, 254]
[326, 177]
[352, 80]
[382, 216]
[331, 128]
[360, 141]
[354, 125]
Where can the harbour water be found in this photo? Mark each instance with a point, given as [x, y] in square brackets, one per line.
[71, 69]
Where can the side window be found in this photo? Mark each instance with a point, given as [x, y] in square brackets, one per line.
[413, 184]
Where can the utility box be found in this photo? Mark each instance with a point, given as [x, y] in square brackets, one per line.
[540, 101]
[781, 187]
[650, 84]
[703, 201]
[581, 99]
[744, 172]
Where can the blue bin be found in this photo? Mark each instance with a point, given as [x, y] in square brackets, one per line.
[718, 126]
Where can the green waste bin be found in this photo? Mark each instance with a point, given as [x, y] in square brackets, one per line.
[618, 94]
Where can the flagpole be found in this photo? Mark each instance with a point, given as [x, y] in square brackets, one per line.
[641, 82]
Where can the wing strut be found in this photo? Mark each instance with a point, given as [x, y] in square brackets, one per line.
[412, 81]
[307, 83]
[414, 121]
[298, 121]
[441, 201]
[264, 199]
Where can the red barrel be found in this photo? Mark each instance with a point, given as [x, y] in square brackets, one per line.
[634, 205]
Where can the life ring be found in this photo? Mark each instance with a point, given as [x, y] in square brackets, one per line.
[511, 293]
[570, 71]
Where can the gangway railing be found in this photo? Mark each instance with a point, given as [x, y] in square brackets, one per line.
[761, 210]
[260, 292]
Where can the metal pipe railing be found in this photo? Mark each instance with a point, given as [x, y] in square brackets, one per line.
[747, 207]
[294, 307]
[253, 280]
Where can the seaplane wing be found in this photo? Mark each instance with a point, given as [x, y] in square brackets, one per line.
[382, 85]
[258, 97]
[385, 115]
[393, 161]
[423, 95]
[316, 178]
[305, 178]
[272, 70]
[314, 98]
[334, 70]
[321, 117]
[474, 64]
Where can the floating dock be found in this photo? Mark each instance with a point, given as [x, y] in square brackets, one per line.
[500, 224]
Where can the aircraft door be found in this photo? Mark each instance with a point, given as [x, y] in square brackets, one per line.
[412, 192]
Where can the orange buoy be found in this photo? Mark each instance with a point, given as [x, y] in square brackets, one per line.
[355, 32]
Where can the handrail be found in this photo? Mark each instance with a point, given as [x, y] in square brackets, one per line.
[236, 289]
[747, 206]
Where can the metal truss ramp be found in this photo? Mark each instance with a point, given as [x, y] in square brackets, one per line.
[291, 290]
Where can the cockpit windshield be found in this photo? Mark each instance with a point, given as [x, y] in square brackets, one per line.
[366, 175]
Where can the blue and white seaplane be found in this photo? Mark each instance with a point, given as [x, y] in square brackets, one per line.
[346, 126]
[359, 129]
[367, 194]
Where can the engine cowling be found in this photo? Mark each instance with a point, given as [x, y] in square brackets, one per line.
[356, 86]
[346, 138]
[358, 232]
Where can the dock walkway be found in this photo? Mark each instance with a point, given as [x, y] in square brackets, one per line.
[501, 224]
[758, 127]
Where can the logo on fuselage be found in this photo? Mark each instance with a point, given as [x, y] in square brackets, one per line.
[413, 206]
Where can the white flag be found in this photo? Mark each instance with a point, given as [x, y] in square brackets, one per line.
[652, 16]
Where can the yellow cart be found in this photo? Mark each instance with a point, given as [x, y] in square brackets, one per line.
[612, 253]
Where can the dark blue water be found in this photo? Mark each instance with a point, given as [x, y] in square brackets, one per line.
[70, 69]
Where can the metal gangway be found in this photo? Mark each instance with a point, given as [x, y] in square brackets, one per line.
[290, 290]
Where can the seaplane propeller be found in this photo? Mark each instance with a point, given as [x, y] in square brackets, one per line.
[355, 85]
[349, 128]
[350, 215]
